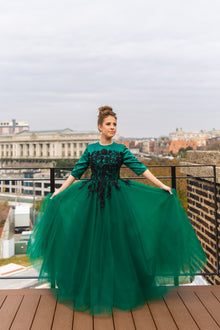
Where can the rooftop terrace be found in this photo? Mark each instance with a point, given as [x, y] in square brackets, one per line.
[187, 307]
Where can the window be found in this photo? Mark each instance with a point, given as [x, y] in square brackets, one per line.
[28, 184]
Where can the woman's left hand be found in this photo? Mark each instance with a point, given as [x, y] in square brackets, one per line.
[167, 188]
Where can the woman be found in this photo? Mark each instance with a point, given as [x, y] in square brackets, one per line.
[110, 243]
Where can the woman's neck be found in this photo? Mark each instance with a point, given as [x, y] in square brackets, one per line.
[105, 141]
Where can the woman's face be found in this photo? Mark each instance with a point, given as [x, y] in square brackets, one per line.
[108, 127]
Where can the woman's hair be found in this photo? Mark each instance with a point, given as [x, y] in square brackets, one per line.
[105, 111]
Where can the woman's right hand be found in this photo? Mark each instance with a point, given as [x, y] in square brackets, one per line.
[68, 181]
[55, 193]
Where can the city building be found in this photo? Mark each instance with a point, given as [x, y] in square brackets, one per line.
[179, 134]
[175, 146]
[162, 146]
[36, 184]
[38, 146]
[13, 127]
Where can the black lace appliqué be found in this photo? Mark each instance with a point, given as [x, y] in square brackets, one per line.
[105, 166]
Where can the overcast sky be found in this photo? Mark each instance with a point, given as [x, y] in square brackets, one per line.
[157, 63]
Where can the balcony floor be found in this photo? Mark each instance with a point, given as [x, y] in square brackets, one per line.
[187, 307]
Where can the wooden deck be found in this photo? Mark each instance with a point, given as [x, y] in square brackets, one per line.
[187, 307]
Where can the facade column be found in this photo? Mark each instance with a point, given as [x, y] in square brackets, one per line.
[31, 150]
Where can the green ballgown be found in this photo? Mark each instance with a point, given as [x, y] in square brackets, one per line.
[110, 243]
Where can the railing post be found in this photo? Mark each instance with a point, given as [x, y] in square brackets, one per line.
[52, 179]
[52, 189]
[173, 176]
[173, 185]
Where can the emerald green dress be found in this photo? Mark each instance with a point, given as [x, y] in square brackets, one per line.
[110, 243]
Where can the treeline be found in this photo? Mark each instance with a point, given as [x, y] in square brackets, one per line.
[160, 172]
[4, 208]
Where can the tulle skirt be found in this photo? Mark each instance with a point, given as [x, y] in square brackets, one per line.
[118, 256]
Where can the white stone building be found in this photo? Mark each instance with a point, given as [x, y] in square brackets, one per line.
[44, 145]
[179, 134]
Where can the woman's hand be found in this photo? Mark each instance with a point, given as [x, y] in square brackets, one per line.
[157, 182]
[68, 181]
[167, 188]
[55, 193]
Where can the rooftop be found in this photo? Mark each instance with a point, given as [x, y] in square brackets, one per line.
[56, 131]
[65, 131]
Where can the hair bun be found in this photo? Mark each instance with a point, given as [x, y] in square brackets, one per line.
[104, 108]
[104, 112]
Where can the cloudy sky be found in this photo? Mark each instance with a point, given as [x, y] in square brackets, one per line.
[157, 63]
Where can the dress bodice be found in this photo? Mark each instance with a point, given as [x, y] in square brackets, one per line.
[105, 162]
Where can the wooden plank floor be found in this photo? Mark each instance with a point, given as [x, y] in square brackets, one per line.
[187, 307]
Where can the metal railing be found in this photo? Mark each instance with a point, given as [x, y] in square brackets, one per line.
[173, 177]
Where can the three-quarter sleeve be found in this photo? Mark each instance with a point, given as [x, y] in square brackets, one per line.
[132, 162]
[81, 166]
